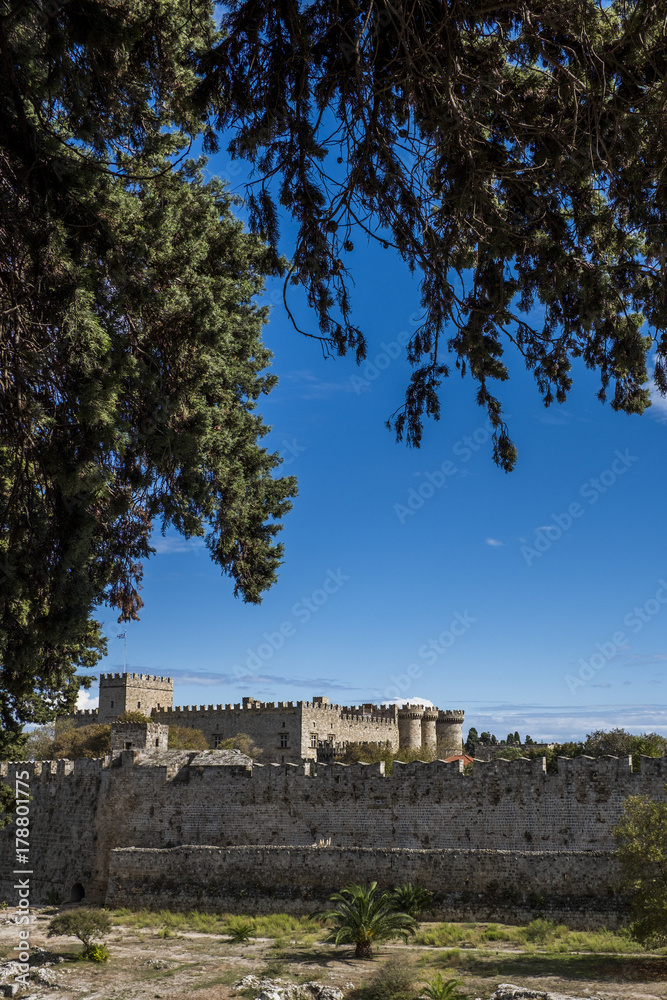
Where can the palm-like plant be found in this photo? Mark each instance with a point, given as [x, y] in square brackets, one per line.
[412, 899]
[239, 930]
[439, 989]
[363, 916]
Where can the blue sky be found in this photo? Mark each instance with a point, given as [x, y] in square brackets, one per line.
[535, 600]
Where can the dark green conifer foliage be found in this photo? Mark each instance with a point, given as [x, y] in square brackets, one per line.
[131, 359]
[513, 154]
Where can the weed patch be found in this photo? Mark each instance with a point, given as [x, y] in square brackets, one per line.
[539, 934]
[394, 980]
[272, 925]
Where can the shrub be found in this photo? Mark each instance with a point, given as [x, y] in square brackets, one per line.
[186, 738]
[641, 837]
[73, 742]
[538, 931]
[450, 957]
[96, 953]
[133, 716]
[86, 925]
[394, 980]
[444, 935]
[243, 743]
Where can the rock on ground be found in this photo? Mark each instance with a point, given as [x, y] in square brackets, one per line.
[507, 991]
[277, 989]
[39, 959]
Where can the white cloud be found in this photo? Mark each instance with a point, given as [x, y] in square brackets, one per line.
[658, 408]
[311, 386]
[494, 542]
[562, 723]
[87, 699]
[172, 544]
[556, 418]
[409, 701]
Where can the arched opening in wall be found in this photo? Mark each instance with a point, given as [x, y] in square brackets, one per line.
[77, 893]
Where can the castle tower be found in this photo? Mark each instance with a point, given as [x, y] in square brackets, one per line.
[148, 736]
[410, 727]
[133, 693]
[429, 734]
[449, 732]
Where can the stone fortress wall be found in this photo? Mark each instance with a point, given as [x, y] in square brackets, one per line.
[288, 732]
[187, 829]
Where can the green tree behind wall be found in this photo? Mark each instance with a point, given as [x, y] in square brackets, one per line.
[641, 837]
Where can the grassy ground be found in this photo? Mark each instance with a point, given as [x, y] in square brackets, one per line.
[279, 926]
[539, 935]
[189, 956]
[476, 953]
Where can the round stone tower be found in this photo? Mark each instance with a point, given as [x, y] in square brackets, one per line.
[410, 727]
[449, 732]
[429, 731]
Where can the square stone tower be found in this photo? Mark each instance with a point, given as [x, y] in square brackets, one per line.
[133, 693]
[148, 736]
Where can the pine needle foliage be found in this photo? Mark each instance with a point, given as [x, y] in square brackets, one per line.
[131, 359]
[511, 153]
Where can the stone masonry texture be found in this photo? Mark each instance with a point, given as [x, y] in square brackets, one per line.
[142, 828]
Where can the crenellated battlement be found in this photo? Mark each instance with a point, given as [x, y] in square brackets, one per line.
[133, 693]
[367, 709]
[591, 769]
[125, 678]
[380, 720]
[45, 770]
[258, 707]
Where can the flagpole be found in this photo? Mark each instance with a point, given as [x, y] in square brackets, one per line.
[123, 636]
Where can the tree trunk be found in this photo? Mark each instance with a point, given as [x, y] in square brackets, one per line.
[363, 949]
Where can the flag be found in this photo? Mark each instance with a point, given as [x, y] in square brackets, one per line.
[121, 636]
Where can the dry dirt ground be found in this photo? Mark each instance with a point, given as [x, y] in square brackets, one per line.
[195, 966]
